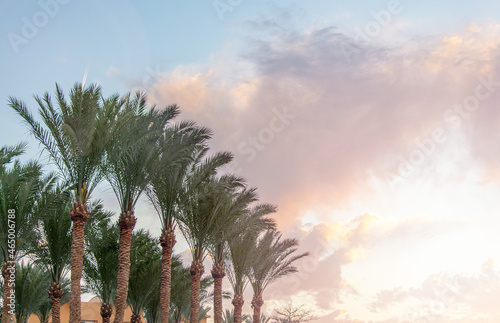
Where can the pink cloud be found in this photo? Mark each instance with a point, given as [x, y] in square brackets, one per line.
[307, 125]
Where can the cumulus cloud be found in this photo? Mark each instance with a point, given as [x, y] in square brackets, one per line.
[311, 120]
[440, 297]
[331, 246]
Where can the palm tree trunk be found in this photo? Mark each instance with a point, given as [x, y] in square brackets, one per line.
[9, 277]
[177, 317]
[127, 223]
[238, 307]
[135, 318]
[167, 242]
[55, 294]
[79, 214]
[218, 274]
[196, 272]
[257, 303]
[106, 311]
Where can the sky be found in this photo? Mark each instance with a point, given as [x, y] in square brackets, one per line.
[373, 125]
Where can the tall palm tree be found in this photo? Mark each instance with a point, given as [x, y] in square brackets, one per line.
[235, 214]
[179, 147]
[145, 268]
[238, 269]
[20, 185]
[130, 161]
[233, 205]
[273, 258]
[50, 242]
[100, 264]
[75, 135]
[240, 252]
[31, 290]
[201, 219]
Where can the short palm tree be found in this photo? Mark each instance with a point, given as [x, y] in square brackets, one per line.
[130, 160]
[50, 243]
[273, 258]
[145, 269]
[201, 220]
[20, 185]
[179, 147]
[75, 135]
[31, 290]
[44, 311]
[100, 264]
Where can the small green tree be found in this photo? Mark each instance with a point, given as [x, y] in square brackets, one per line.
[145, 257]
[50, 243]
[20, 188]
[100, 264]
[31, 290]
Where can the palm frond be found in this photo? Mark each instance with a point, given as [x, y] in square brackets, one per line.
[273, 258]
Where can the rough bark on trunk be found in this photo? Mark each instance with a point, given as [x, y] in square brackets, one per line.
[79, 214]
[135, 318]
[218, 274]
[167, 242]
[196, 272]
[106, 311]
[126, 223]
[238, 307]
[257, 303]
[55, 294]
[9, 276]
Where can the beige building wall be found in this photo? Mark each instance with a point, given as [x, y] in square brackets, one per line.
[91, 313]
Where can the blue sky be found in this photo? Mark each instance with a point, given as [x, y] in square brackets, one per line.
[380, 149]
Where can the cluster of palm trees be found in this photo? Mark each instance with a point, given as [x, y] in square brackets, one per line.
[139, 151]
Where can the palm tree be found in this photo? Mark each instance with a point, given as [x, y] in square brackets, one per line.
[100, 264]
[145, 268]
[20, 185]
[240, 252]
[201, 220]
[75, 135]
[44, 311]
[179, 147]
[50, 243]
[236, 216]
[238, 269]
[181, 294]
[272, 259]
[179, 286]
[31, 288]
[130, 160]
